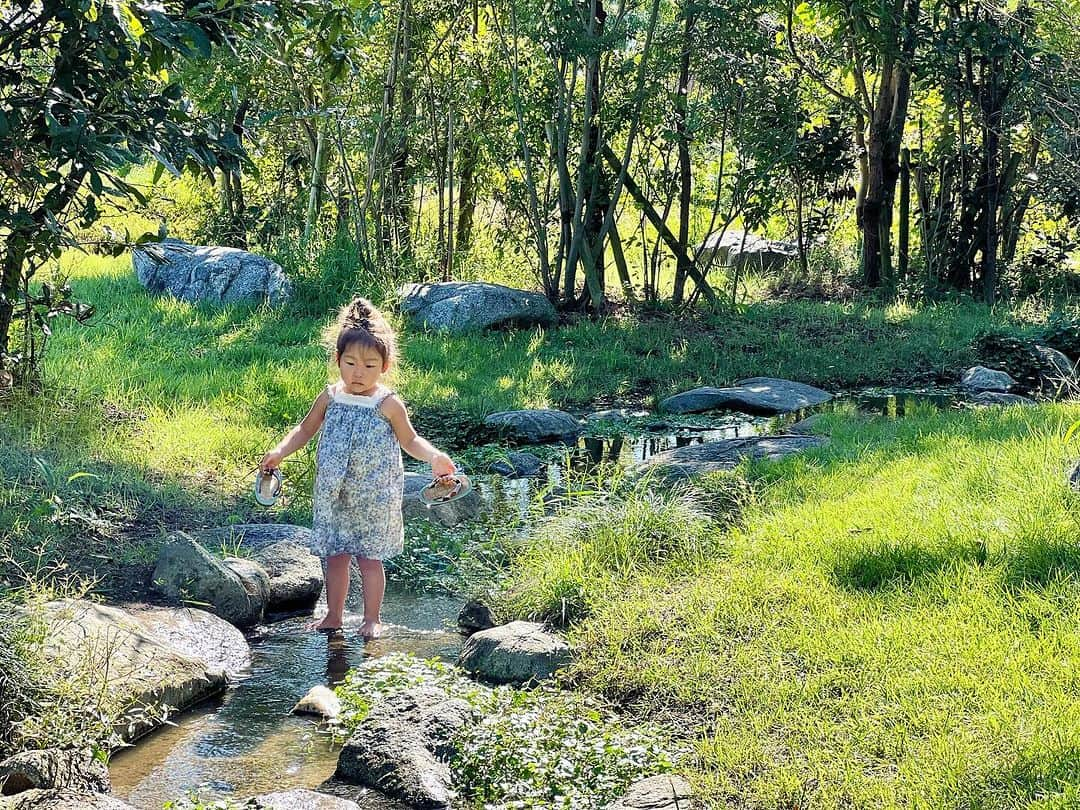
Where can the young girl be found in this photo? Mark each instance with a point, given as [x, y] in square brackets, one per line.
[359, 478]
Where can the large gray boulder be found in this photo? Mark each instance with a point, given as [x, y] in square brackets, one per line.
[445, 514]
[404, 745]
[981, 378]
[300, 799]
[216, 275]
[746, 251]
[518, 652]
[253, 536]
[755, 395]
[187, 572]
[295, 574]
[517, 464]
[698, 459]
[534, 426]
[153, 662]
[63, 800]
[664, 792]
[255, 580]
[53, 768]
[468, 306]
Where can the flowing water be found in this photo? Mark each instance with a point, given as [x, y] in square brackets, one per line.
[248, 743]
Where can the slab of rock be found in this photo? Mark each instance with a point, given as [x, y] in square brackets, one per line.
[980, 378]
[746, 251]
[468, 306]
[186, 571]
[518, 464]
[697, 459]
[534, 426]
[474, 616]
[756, 395]
[53, 768]
[216, 275]
[254, 536]
[662, 792]
[143, 665]
[300, 799]
[296, 577]
[998, 398]
[63, 800]
[445, 514]
[320, 701]
[518, 652]
[402, 748]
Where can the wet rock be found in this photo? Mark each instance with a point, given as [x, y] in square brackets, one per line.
[518, 464]
[980, 378]
[518, 652]
[255, 580]
[756, 395]
[154, 667]
[186, 571]
[64, 800]
[296, 577]
[663, 792]
[458, 307]
[404, 745]
[53, 768]
[216, 275]
[300, 799]
[534, 426]
[998, 398]
[475, 616]
[697, 459]
[445, 514]
[320, 701]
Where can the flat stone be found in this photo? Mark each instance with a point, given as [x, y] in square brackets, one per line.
[697, 459]
[756, 395]
[216, 275]
[980, 378]
[998, 398]
[300, 799]
[458, 306]
[518, 652]
[63, 800]
[320, 701]
[137, 663]
[53, 768]
[534, 426]
[663, 792]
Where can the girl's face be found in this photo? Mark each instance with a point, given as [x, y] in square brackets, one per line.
[360, 367]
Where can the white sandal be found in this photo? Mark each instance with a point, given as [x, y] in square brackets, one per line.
[267, 487]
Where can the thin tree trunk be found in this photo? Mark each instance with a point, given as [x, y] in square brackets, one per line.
[683, 139]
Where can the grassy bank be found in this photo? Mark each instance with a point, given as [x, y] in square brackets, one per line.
[894, 623]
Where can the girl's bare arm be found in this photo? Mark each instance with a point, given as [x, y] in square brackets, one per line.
[299, 435]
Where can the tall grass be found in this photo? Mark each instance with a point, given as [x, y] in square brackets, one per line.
[893, 623]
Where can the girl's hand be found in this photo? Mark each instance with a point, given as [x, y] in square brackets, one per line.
[271, 461]
[441, 465]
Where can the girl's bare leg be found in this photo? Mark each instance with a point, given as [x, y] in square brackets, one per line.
[374, 578]
[337, 588]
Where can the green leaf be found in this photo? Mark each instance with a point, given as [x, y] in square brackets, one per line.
[79, 475]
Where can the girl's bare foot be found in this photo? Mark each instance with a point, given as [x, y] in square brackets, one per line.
[327, 625]
[370, 629]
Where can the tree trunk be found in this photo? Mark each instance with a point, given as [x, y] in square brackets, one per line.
[470, 156]
[685, 167]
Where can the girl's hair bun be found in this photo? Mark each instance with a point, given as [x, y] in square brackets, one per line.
[360, 322]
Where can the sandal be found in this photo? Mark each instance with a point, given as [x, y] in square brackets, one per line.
[446, 489]
[267, 487]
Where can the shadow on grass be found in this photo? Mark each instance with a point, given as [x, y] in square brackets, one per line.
[901, 564]
[1038, 777]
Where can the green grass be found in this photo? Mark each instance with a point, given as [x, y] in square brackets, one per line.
[894, 622]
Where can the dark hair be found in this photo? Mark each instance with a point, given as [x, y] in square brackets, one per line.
[361, 324]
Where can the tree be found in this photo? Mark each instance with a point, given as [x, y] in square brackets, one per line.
[85, 92]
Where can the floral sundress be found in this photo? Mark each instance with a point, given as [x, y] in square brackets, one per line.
[359, 480]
